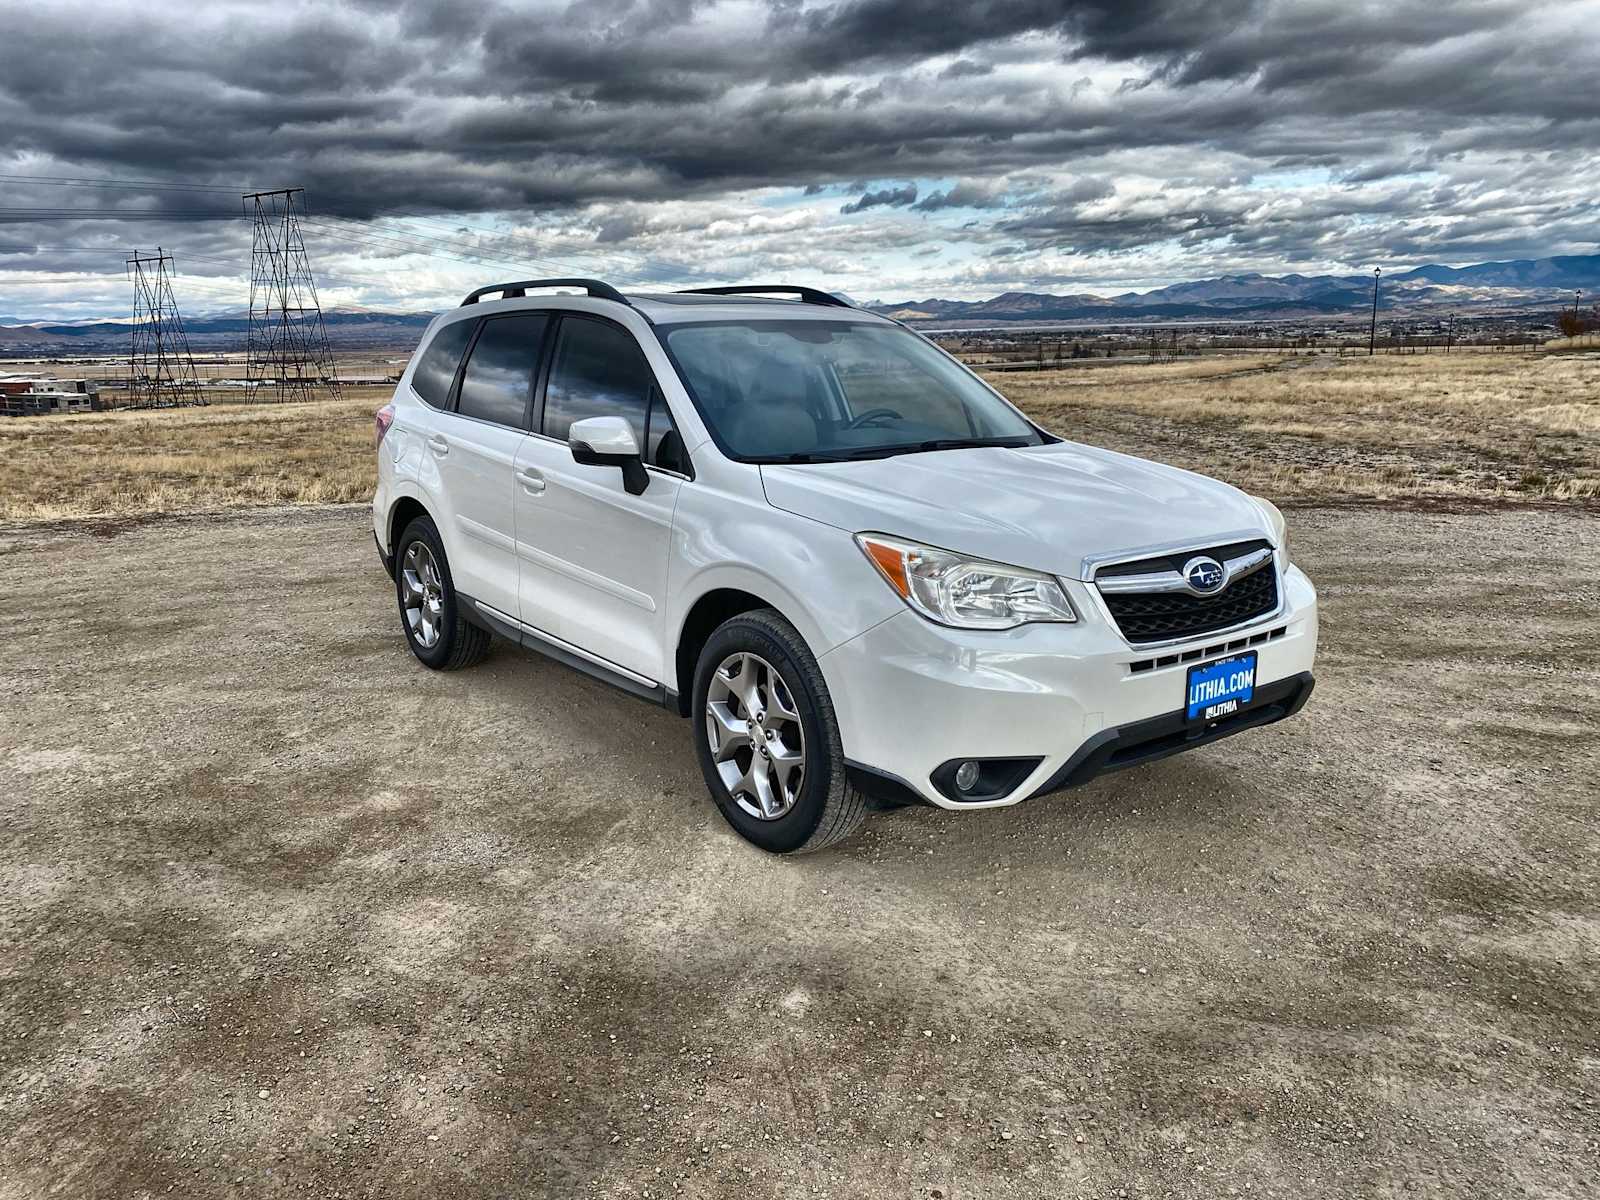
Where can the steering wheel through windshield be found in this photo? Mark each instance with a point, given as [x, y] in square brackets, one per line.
[872, 416]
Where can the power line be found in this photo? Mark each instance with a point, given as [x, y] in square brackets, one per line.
[22, 215]
[615, 262]
[359, 232]
[80, 181]
[376, 238]
[117, 250]
[122, 251]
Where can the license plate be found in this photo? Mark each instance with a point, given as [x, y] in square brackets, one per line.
[1219, 689]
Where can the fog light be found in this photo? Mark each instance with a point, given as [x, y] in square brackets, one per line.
[980, 780]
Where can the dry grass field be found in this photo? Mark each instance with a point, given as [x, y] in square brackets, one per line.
[1504, 428]
[1466, 428]
[170, 460]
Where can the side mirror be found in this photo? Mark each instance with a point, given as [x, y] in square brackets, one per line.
[609, 442]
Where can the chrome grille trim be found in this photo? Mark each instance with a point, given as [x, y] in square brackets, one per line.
[1172, 581]
[1098, 588]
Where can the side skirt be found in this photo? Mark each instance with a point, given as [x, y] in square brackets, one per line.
[552, 647]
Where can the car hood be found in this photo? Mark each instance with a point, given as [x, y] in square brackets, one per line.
[1052, 508]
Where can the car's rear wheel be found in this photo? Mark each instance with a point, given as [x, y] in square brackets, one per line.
[768, 740]
[436, 630]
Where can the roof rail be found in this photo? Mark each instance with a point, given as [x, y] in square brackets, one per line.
[806, 295]
[515, 291]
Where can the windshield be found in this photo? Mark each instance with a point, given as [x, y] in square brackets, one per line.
[817, 391]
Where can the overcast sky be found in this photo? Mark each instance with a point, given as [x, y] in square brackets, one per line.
[885, 148]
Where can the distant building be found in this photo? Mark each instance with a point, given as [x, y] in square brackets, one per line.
[24, 396]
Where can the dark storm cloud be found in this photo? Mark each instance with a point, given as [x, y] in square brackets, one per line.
[435, 107]
[891, 197]
[965, 68]
[968, 193]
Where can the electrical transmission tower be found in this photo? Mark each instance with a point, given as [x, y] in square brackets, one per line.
[289, 357]
[160, 367]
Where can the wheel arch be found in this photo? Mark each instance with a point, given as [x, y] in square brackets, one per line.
[726, 596]
[715, 606]
[406, 509]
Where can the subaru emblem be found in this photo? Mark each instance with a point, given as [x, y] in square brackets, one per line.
[1203, 575]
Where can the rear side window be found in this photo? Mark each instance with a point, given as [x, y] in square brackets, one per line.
[436, 369]
[598, 371]
[498, 381]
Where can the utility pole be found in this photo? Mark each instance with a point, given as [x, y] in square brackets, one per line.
[1450, 337]
[288, 343]
[160, 367]
[1372, 338]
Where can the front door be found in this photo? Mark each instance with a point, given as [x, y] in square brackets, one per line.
[592, 558]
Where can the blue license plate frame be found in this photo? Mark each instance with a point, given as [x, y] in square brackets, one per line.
[1220, 688]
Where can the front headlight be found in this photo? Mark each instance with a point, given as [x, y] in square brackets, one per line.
[1280, 531]
[968, 593]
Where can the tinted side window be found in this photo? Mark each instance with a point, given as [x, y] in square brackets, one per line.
[499, 377]
[598, 371]
[436, 369]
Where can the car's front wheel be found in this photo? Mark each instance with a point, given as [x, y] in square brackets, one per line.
[438, 633]
[767, 738]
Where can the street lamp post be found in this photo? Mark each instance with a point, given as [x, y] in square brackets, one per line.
[1372, 338]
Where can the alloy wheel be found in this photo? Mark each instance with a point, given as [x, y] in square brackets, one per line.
[422, 595]
[756, 738]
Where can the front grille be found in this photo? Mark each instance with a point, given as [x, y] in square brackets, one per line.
[1169, 616]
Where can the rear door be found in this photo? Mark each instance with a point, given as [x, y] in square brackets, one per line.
[474, 446]
[593, 559]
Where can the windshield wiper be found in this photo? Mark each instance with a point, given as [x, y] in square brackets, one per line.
[965, 443]
[805, 456]
[860, 452]
[935, 444]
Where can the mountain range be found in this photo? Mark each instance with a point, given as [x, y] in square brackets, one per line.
[1535, 283]
[347, 328]
[1525, 285]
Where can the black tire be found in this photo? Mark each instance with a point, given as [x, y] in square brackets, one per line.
[460, 643]
[827, 808]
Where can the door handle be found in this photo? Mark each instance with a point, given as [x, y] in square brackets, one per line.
[532, 481]
[439, 445]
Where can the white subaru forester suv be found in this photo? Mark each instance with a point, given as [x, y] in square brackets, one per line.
[865, 577]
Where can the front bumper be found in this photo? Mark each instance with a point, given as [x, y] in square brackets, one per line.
[1159, 737]
[912, 696]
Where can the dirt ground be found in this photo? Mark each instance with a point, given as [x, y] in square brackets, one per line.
[284, 914]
